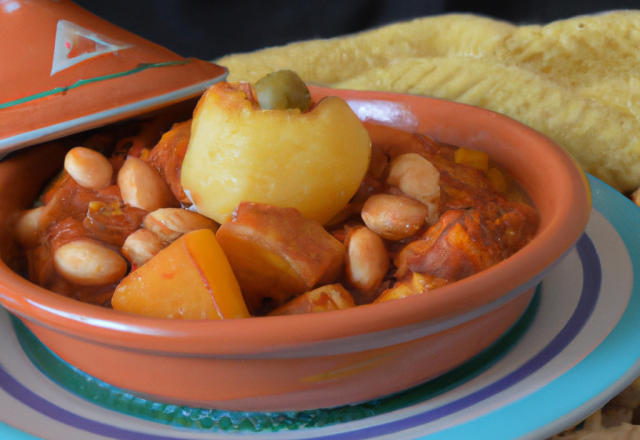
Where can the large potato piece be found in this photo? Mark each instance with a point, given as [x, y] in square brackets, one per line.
[277, 254]
[190, 279]
[312, 161]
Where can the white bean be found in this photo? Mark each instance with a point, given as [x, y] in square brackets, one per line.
[141, 246]
[394, 217]
[419, 179]
[367, 259]
[142, 187]
[26, 228]
[88, 263]
[170, 223]
[88, 168]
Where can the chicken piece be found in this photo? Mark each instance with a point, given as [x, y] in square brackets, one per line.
[417, 284]
[465, 242]
[478, 227]
[72, 200]
[277, 254]
[456, 247]
[322, 299]
[103, 212]
[112, 222]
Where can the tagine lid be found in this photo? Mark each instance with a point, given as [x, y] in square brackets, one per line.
[63, 70]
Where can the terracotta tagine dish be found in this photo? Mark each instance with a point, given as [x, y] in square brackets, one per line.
[429, 311]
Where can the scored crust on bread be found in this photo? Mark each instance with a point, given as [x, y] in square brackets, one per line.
[337, 59]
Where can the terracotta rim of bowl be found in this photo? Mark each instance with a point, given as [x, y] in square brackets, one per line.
[564, 208]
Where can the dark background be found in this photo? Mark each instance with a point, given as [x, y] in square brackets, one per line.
[208, 29]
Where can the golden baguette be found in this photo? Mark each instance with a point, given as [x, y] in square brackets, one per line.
[332, 60]
[598, 55]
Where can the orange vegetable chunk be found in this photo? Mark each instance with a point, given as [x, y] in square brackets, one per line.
[473, 158]
[277, 253]
[190, 279]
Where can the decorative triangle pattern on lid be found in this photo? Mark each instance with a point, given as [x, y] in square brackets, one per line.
[74, 44]
[76, 71]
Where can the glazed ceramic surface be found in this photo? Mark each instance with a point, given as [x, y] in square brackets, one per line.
[326, 359]
[573, 350]
[69, 71]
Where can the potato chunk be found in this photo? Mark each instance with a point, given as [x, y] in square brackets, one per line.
[277, 254]
[312, 161]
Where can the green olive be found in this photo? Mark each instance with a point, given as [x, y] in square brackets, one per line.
[283, 89]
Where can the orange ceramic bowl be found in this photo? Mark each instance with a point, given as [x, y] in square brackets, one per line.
[325, 359]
